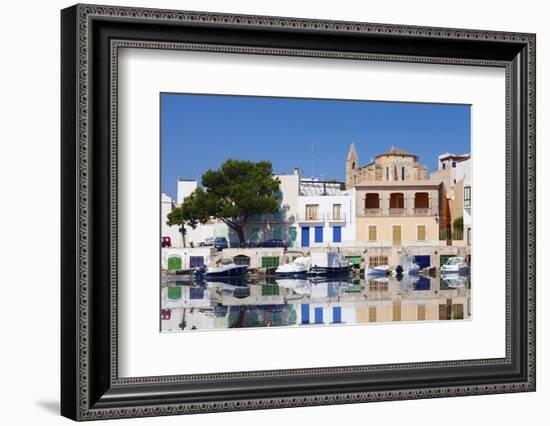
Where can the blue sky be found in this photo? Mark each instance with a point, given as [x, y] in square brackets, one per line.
[199, 132]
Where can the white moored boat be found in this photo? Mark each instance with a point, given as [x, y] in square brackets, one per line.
[226, 271]
[380, 270]
[408, 266]
[455, 265]
[330, 263]
[300, 266]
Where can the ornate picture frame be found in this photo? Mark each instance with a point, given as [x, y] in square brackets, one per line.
[90, 39]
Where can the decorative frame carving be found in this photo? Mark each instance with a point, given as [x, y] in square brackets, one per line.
[87, 397]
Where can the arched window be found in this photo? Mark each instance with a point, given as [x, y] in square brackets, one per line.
[387, 173]
[353, 165]
[397, 200]
[403, 173]
[372, 201]
[395, 175]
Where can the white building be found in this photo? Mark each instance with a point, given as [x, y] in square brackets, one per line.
[279, 225]
[185, 188]
[282, 224]
[464, 173]
[202, 231]
[166, 206]
[326, 214]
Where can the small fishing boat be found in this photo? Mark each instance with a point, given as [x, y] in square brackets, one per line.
[455, 265]
[227, 270]
[380, 270]
[330, 263]
[298, 267]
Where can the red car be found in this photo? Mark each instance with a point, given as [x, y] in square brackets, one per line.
[165, 242]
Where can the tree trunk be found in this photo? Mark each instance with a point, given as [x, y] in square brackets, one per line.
[240, 233]
[183, 232]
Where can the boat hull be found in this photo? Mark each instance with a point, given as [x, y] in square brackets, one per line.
[227, 273]
[329, 271]
[462, 270]
[291, 274]
[377, 272]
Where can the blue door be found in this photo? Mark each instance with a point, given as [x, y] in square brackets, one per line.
[305, 313]
[305, 236]
[422, 261]
[318, 234]
[336, 234]
[196, 261]
[336, 314]
[318, 315]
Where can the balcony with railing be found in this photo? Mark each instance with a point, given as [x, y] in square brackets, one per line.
[336, 217]
[316, 217]
[397, 204]
[397, 211]
[422, 211]
[372, 212]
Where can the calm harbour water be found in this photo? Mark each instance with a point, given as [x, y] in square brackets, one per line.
[298, 302]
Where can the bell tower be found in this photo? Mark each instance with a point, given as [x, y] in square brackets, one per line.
[352, 167]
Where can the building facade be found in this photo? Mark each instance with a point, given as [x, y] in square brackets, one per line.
[167, 204]
[326, 214]
[397, 206]
[451, 172]
[279, 225]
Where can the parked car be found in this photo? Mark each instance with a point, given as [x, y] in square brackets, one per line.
[220, 243]
[165, 242]
[272, 243]
[208, 241]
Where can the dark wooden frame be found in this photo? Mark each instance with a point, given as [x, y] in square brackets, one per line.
[90, 386]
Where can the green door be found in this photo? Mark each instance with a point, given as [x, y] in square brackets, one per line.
[270, 290]
[270, 262]
[174, 293]
[174, 263]
[354, 260]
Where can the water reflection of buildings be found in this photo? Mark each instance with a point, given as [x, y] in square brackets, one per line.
[299, 302]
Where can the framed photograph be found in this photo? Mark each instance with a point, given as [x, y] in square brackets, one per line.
[265, 212]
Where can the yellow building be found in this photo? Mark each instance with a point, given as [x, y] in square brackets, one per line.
[397, 206]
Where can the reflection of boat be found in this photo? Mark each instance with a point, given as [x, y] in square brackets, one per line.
[227, 270]
[455, 265]
[406, 282]
[224, 283]
[409, 265]
[330, 263]
[377, 270]
[298, 267]
[292, 284]
[453, 280]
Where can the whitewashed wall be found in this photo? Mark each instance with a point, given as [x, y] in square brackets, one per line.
[326, 202]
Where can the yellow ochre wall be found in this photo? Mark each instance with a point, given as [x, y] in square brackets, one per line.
[408, 228]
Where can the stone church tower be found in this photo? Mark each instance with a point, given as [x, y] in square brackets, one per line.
[352, 167]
